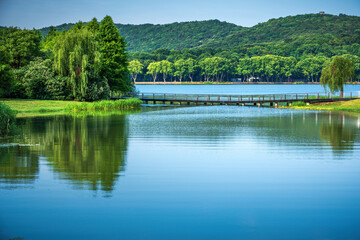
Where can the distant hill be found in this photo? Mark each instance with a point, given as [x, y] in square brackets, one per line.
[332, 29]
[149, 37]
[320, 29]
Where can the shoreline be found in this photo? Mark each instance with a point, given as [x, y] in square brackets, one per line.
[234, 83]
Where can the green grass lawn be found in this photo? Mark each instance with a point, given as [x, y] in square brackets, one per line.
[349, 106]
[31, 106]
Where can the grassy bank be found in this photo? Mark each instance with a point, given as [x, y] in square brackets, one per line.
[123, 104]
[348, 106]
[28, 107]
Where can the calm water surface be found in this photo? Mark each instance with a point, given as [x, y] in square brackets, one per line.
[212, 172]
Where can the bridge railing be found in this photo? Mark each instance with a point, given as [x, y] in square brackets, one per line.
[235, 98]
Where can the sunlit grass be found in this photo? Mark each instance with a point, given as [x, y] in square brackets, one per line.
[350, 106]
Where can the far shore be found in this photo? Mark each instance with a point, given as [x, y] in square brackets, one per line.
[231, 83]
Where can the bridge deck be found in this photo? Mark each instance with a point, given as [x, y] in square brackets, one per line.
[272, 99]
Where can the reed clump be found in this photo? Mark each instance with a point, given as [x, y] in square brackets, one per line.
[104, 105]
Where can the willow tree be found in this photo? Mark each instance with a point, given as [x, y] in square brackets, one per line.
[115, 61]
[337, 73]
[76, 55]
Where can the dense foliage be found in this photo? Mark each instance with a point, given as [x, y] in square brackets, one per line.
[114, 58]
[7, 120]
[74, 64]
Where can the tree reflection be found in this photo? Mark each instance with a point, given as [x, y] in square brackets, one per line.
[338, 131]
[18, 165]
[89, 151]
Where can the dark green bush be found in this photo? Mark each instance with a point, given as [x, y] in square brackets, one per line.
[38, 73]
[97, 91]
[57, 88]
[7, 120]
[298, 104]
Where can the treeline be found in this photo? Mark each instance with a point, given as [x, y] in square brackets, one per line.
[84, 63]
[189, 66]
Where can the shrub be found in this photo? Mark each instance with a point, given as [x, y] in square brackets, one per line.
[7, 120]
[97, 91]
[298, 104]
[57, 88]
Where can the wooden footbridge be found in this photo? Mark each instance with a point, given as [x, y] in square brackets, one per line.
[244, 100]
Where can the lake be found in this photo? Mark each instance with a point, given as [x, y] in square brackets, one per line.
[206, 172]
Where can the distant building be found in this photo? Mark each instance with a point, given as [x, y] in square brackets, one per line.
[321, 12]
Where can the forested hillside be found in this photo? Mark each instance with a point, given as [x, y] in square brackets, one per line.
[308, 33]
[149, 37]
[310, 28]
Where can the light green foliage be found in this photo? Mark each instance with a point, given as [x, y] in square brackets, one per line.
[166, 68]
[337, 73]
[7, 120]
[215, 68]
[77, 56]
[154, 69]
[191, 68]
[6, 73]
[50, 40]
[22, 45]
[135, 68]
[114, 57]
[312, 66]
[180, 69]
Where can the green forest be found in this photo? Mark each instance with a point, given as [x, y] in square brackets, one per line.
[293, 48]
[85, 61]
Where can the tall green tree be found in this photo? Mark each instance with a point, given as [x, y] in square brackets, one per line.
[154, 69]
[166, 68]
[93, 26]
[135, 68]
[6, 73]
[76, 55]
[114, 57]
[337, 73]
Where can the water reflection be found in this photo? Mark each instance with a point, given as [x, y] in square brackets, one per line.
[18, 165]
[339, 131]
[88, 151]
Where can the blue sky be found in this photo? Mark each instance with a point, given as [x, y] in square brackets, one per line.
[41, 13]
